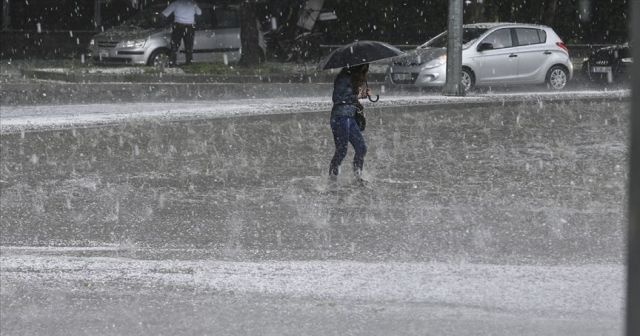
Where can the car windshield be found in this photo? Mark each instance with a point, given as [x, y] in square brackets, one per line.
[468, 36]
[151, 18]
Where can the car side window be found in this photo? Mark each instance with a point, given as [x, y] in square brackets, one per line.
[206, 20]
[527, 36]
[226, 18]
[500, 38]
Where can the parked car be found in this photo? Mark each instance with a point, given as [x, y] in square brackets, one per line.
[145, 38]
[611, 64]
[493, 54]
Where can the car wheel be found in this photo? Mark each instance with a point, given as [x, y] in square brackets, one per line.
[557, 77]
[159, 58]
[467, 79]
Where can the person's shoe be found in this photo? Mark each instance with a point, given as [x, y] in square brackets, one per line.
[359, 181]
[357, 173]
[332, 183]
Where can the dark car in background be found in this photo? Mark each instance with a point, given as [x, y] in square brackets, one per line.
[609, 64]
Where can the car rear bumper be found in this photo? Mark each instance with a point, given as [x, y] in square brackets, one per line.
[606, 73]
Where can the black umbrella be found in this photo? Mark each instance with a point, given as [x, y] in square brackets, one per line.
[359, 52]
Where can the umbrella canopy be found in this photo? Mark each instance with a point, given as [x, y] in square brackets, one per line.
[359, 52]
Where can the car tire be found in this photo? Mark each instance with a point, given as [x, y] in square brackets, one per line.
[557, 78]
[467, 79]
[159, 58]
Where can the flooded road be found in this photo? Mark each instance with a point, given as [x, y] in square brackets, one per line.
[493, 218]
[47, 287]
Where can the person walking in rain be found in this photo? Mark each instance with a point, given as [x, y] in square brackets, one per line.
[184, 21]
[348, 87]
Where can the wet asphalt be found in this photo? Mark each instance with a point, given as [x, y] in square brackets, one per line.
[530, 184]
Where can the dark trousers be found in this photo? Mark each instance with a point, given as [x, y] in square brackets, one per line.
[185, 33]
[345, 130]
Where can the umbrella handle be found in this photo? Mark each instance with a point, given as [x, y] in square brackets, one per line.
[366, 85]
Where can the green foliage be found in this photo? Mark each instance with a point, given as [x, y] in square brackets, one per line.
[397, 22]
[267, 68]
[415, 21]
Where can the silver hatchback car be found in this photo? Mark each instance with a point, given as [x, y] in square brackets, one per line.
[493, 54]
[145, 38]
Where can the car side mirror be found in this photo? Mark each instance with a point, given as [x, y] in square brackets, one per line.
[485, 46]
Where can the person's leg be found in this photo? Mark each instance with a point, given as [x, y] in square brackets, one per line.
[189, 35]
[357, 141]
[340, 130]
[176, 35]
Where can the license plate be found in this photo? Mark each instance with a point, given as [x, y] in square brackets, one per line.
[401, 76]
[601, 69]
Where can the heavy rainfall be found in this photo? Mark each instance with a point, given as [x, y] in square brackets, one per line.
[153, 188]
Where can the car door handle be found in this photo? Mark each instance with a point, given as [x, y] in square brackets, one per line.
[547, 52]
[513, 55]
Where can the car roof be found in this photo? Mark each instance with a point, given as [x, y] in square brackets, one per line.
[201, 4]
[490, 25]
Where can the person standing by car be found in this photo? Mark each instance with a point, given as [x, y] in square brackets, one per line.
[184, 21]
[348, 87]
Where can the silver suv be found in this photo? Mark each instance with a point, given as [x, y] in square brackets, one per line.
[493, 54]
[145, 38]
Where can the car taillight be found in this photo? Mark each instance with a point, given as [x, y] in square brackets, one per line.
[563, 46]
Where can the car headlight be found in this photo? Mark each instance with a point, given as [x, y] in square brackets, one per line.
[586, 59]
[436, 62]
[132, 44]
[626, 60]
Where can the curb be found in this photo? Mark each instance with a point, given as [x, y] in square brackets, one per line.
[44, 93]
[513, 104]
[78, 77]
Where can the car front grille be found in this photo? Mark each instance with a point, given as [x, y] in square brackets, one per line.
[404, 78]
[111, 60]
[107, 44]
[408, 62]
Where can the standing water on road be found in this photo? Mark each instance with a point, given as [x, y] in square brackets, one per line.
[493, 218]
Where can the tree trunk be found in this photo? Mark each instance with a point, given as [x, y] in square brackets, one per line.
[249, 35]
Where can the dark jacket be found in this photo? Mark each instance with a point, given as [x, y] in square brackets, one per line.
[345, 100]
